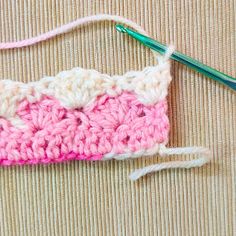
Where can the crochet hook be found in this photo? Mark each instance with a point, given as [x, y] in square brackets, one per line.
[186, 60]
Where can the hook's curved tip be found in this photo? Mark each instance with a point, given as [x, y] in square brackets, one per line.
[121, 28]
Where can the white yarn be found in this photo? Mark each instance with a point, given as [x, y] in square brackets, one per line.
[203, 159]
[77, 87]
[132, 155]
[161, 149]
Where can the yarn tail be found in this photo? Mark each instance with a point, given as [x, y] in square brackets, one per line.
[203, 153]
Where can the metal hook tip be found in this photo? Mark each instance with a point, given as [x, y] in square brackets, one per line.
[121, 28]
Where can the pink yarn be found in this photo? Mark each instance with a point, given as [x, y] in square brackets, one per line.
[55, 134]
[67, 27]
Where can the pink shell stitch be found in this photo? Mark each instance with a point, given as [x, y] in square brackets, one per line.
[53, 133]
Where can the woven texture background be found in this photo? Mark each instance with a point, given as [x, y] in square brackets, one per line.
[79, 198]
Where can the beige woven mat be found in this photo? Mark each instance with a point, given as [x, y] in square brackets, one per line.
[80, 198]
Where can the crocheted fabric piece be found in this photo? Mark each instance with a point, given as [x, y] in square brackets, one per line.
[84, 115]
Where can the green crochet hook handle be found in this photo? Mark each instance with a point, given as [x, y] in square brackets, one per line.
[186, 60]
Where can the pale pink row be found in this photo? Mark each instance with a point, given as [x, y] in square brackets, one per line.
[54, 134]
